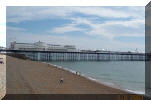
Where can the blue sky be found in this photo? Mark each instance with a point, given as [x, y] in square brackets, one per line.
[111, 28]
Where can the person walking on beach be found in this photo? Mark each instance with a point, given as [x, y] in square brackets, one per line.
[1, 62]
[61, 80]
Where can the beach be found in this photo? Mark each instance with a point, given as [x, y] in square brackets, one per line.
[33, 77]
[2, 77]
[118, 74]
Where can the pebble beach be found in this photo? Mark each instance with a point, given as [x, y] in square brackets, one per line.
[33, 77]
[3, 77]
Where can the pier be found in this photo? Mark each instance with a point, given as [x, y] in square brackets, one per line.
[79, 56]
[41, 51]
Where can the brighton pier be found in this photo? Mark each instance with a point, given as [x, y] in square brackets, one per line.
[79, 56]
[41, 51]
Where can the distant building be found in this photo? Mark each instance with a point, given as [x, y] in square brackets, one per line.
[41, 46]
[2, 48]
[70, 48]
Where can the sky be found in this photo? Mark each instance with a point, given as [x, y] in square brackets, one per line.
[110, 27]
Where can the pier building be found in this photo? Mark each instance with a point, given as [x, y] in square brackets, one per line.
[41, 46]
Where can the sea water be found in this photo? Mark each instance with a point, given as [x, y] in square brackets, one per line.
[128, 75]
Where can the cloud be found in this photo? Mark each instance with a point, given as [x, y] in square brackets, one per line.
[103, 12]
[134, 15]
[15, 29]
[134, 23]
[19, 14]
[114, 28]
[133, 35]
[107, 29]
[66, 28]
[14, 33]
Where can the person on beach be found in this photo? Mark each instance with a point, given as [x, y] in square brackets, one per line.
[1, 62]
[76, 73]
[61, 80]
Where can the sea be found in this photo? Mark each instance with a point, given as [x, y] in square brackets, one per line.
[127, 75]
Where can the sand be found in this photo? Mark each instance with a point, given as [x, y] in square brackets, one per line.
[33, 77]
[2, 77]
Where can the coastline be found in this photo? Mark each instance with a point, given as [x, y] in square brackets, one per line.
[111, 85]
[34, 77]
[101, 81]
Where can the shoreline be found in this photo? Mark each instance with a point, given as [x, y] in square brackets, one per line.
[35, 77]
[108, 84]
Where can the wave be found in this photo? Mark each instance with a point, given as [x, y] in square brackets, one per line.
[136, 92]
